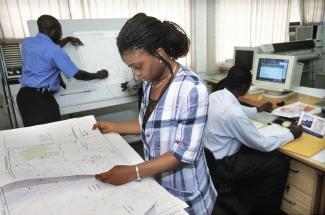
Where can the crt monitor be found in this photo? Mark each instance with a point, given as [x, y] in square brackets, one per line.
[244, 57]
[276, 73]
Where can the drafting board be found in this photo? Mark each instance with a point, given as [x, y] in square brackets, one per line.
[107, 96]
[69, 27]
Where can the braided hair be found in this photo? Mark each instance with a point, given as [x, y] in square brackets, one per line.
[148, 33]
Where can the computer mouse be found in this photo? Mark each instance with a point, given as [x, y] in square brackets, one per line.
[286, 124]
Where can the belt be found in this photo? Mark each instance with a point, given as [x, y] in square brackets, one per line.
[40, 90]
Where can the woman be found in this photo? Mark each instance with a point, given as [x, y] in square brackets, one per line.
[172, 115]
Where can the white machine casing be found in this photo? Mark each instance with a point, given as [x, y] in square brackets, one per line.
[293, 76]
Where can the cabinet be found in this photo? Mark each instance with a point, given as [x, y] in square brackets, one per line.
[300, 195]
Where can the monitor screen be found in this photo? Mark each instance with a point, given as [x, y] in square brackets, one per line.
[244, 59]
[272, 70]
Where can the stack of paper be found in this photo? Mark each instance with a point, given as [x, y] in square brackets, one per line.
[48, 169]
[295, 110]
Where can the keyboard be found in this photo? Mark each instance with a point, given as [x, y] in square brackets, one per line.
[264, 117]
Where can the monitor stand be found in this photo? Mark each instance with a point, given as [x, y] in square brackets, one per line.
[276, 94]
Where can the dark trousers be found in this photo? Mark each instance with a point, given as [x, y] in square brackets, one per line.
[37, 106]
[257, 178]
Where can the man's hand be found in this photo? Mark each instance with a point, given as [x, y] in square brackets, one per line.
[101, 74]
[124, 85]
[296, 131]
[267, 107]
[75, 41]
[118, 175]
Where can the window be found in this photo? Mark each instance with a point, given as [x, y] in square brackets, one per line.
[248, 23]
[14, 14]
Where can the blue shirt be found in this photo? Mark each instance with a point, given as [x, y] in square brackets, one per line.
[42, 62]
[176, 125]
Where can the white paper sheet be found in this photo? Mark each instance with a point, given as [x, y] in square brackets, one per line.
[320, 156]
[100, 52]
[68, 148]
[86, 195]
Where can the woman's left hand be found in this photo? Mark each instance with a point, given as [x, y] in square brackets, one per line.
[118, 175]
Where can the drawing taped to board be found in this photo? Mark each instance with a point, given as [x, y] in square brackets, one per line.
[100, 51]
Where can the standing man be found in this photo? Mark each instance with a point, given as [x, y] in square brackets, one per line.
[43, 60]
[240, 159]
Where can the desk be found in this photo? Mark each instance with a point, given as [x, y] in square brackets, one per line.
[315, 169]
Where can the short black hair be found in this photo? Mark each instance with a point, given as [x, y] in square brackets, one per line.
[148, 33]
[237, 77]
[46, 23]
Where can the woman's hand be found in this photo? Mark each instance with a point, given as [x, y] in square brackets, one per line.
[118, 175]
[104, 127]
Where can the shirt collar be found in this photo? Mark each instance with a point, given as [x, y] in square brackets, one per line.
[44, 36]
[230, 96]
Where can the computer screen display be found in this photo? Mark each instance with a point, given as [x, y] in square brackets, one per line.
[272, 70]
[276, 73]
[244, 59]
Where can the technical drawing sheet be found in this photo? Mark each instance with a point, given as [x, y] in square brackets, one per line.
[100, 52]
[86, 195]
[36, 158]
[63, 148]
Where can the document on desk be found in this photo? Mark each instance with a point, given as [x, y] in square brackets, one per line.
[320, 156]
[295, 110]
[100, 52]
[48, 169]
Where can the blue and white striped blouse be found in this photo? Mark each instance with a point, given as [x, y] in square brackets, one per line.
[176, 125]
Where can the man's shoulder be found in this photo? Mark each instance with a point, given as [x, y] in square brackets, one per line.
[27, 40]
[226, 106]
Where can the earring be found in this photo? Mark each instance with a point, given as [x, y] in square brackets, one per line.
[160, 61]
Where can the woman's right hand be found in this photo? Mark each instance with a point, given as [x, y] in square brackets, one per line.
[103, 126]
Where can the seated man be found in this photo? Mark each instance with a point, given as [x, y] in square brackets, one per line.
[239, 157]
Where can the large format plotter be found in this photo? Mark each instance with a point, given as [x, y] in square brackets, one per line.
[303, 50]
